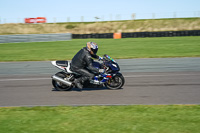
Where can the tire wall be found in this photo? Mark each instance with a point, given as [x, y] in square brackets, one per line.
[139, 34]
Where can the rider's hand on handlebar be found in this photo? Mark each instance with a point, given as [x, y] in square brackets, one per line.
[101, 70]
[100, 58]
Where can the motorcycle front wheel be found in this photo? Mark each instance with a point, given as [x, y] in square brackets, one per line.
[115, 82]
[60, 86]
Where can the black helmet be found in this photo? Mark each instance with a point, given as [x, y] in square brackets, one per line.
[92, 47]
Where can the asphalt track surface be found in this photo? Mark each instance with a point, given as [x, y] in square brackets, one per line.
[148, 81]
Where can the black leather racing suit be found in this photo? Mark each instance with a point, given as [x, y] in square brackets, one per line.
[82, 63]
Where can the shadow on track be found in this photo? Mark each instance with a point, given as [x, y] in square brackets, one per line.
[87, 89]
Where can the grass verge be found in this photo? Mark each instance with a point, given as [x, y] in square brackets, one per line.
[116, 48]
[103, 119]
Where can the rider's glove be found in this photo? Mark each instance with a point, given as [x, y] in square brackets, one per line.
[100, 58]
[101, 70]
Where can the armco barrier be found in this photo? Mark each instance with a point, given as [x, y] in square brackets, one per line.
[35, 38]
[140, 34]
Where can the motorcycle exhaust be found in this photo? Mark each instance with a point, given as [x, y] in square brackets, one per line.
[54, 77]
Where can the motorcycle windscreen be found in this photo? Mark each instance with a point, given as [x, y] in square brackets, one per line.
[114, 66]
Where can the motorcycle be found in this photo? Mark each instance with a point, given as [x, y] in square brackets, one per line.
[111, 78]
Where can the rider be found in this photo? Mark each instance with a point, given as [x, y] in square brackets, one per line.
[82, 64]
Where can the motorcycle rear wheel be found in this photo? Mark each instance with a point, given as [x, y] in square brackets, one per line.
[116, 82]
[60, 86]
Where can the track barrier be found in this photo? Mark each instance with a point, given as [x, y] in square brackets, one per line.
[69, 36]
[138, 34]
[35, 37]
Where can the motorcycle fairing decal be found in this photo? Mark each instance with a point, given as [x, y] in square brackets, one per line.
[104, 80]
[108, 76]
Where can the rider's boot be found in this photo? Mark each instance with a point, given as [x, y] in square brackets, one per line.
[78, 83]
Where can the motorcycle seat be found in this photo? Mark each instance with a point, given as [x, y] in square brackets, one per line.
[62, 63]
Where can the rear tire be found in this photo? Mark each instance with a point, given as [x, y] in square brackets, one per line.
[116, 82]
[60, 86]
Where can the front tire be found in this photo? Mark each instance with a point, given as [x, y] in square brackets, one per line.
[115, 82]
[60, 86]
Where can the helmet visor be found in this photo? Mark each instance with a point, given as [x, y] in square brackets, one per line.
[94, 50]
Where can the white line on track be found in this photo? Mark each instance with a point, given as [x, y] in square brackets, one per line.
[127, 76]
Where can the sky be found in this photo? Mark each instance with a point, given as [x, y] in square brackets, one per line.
[13, 11]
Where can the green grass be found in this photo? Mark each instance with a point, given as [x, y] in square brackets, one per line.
[116, 48]
[101, 119]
